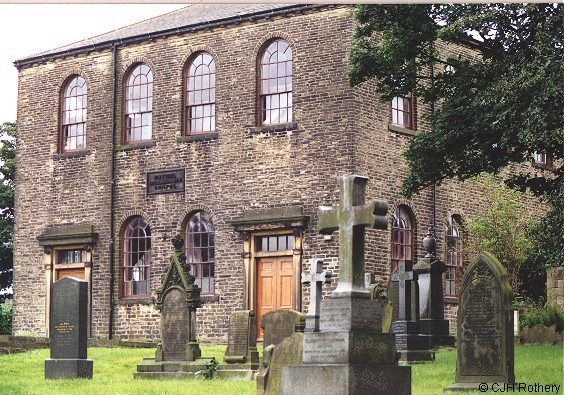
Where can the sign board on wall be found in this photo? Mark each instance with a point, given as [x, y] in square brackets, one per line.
[165, 181]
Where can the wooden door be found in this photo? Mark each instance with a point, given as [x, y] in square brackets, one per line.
[70, 272]
[275, 279]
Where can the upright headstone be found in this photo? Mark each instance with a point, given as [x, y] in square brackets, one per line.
[283, 335]
[69, 331]
[178, 355]
[432, 321]
[277, 325]
[412, 346]
[316, 277]
[241, 358]
[349, 354]
[484, 327]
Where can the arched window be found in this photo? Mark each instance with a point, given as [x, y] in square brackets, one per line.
[402, 236]
[200, 94]
[139, 104]
[200, 250]
[453, 257]
[136, 248]
[73, 131]
[275, 83]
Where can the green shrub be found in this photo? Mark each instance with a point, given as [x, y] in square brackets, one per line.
[5, 319]
[547, 315]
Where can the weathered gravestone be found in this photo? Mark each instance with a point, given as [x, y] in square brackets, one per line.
[69, 329]
[349, 354]
[279, 324]
[178, 355]
[484, 327]
[412, 346]
[430, 271]
[316, 277]
[241, 358]
[283, 337]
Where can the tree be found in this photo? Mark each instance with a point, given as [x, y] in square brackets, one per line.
[500, 107]
[502, 230]
[7, 175]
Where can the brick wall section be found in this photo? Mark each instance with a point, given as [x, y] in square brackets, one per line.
[555, 286]
[340, 131]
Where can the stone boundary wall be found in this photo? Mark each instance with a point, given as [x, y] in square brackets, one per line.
[555, 286]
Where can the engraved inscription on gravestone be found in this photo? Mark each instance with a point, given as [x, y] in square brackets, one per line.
[481, 328]
[175, 324]
[280, 324]
[238, 336]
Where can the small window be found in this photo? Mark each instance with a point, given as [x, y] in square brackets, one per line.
[200, 94]
[73, 133]
[402, 236]
[136, 257]
[200, 250]
[402, 111]
[274, 243]
[275, 84]
[139, 104]
[453, 256]
[543, 159]
[65, 257]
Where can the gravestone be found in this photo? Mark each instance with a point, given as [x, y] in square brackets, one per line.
[412, 346]
[178, 354]
[69, 329]
[277, 325]
[484, 327]
[316, 277]
[241, 358]
[349, 354]
[431, 306]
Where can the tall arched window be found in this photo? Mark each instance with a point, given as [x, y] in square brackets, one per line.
[139, 104]
[402, 236]
[136, 247]
[200, 250]
[275, 83]
[453, 256]
[73, 131]
[200, 94]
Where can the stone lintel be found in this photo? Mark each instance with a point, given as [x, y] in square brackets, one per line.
[291, 217]
[67, 235]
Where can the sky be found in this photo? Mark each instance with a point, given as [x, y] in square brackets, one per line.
[26, 29]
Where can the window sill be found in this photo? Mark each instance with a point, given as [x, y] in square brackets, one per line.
[197, 137]
[402, 130]
[145, 300]
[280, 127]
[137, 145]
[451, 299]
[209, 298]
[72, 154]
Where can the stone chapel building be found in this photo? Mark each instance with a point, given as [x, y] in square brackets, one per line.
[227, 124]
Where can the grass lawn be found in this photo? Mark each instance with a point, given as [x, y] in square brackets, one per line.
[114, 368]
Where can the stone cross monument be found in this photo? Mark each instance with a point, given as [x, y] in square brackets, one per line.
[349, 354]
[351, 218]
[403, 276]
[316, 277]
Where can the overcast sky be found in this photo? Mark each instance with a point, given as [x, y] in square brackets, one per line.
[31, 28]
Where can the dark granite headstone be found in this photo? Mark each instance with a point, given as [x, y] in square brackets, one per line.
[280, 324]
[69, 331]
[485, 326]
[241, 357]
[174, 325]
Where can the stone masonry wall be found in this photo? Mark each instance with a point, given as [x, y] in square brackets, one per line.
[555, 286]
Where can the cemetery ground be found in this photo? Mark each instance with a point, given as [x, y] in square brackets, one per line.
[23, 373]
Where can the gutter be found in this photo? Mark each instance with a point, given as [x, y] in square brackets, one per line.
[165, 33]
[112, 192]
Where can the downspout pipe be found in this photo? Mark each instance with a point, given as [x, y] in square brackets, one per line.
[112, 193]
